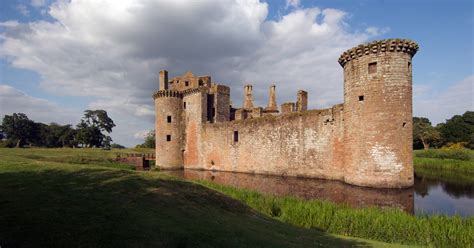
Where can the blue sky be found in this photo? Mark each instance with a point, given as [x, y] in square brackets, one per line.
[58, 59]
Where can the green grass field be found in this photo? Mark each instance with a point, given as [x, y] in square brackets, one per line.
[81, 198]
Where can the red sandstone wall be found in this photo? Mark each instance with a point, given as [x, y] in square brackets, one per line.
[305, 144]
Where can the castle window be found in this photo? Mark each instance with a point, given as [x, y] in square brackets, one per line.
[372, 67]
[184, 105]
[186, 83]
[409, 66]
[361, 98]
[404, 124]
[169, 118]
[236, 136]
[168, 137]
[200, 82]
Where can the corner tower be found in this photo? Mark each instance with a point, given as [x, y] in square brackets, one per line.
[378, 113]
[169, 134]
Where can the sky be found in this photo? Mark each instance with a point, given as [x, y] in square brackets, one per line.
[59, 58]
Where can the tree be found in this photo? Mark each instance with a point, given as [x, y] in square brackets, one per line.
[424, 132]
[18, 128]
[90, 129]
[149, 140]
[460, 128]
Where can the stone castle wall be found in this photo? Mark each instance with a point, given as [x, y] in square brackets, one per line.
[365, 141]
[305, 144]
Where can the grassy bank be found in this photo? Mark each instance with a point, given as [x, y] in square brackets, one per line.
[52, 198]
[389, 225]
[454, 165]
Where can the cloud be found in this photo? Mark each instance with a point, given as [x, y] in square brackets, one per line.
[13, 100]
[375, 31]
[442, 105]
[111, 51]
[38, 3]
[292, 3]
[23, 9]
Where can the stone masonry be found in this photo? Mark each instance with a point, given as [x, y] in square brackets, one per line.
[364, 141]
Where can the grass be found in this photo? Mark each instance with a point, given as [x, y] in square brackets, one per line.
[80, 198]
[448, 164]
[388, 225]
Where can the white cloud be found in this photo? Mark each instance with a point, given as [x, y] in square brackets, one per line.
[13, 100]
[375, 31]
[38, 3]
[112, 51]
[439, 106]
[292, 3]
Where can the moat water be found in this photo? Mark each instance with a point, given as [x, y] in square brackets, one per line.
[428, 196]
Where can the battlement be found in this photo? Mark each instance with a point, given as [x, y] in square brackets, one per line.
[388, 45]
[167, 93]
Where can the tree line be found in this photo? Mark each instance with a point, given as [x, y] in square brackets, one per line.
[458, 129]
[93, 130]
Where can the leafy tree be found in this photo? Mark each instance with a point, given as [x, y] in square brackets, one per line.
[18, 128]
[424, 132]
[460, 128]
[90, 131]
[149, 140]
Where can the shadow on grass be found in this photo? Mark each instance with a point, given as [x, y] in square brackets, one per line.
[89, 207]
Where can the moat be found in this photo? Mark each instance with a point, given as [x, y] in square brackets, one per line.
[428, 196]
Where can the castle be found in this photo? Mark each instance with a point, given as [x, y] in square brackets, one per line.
[365, 141]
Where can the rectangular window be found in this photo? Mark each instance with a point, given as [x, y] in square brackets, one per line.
[169, 118]
[168, 137]
[372, 67]
[236, 136]
[186, 83]
[361, 98]
[409, 66]
[184, 105]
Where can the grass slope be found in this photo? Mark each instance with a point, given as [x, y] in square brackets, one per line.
[52, 198]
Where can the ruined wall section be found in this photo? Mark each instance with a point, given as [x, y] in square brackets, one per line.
[306, 144]
[378, 113]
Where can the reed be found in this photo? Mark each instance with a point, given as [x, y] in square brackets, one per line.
[388, 225]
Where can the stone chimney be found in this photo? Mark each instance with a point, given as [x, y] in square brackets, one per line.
[272, 105]
[248, 100]
[163, 80]
[287, 107]
[302, 101]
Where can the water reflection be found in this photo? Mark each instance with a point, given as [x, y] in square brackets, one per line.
[306, 188]
[429, 196]
[434, 196]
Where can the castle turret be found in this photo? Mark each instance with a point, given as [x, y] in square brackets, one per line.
[378, 113]
[248, 97]
[169, 128]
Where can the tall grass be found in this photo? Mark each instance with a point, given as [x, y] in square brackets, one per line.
[388, 225]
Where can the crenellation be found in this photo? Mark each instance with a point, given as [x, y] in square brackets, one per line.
[364, 141]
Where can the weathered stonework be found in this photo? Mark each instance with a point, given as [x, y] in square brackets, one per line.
[365, 141]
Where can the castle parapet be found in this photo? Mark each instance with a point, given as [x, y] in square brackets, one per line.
[167, 93]
[388, 45]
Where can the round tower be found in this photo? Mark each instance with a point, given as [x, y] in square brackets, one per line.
[169, 129]
[378, 113]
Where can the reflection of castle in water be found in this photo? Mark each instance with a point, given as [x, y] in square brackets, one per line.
[306, 188]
